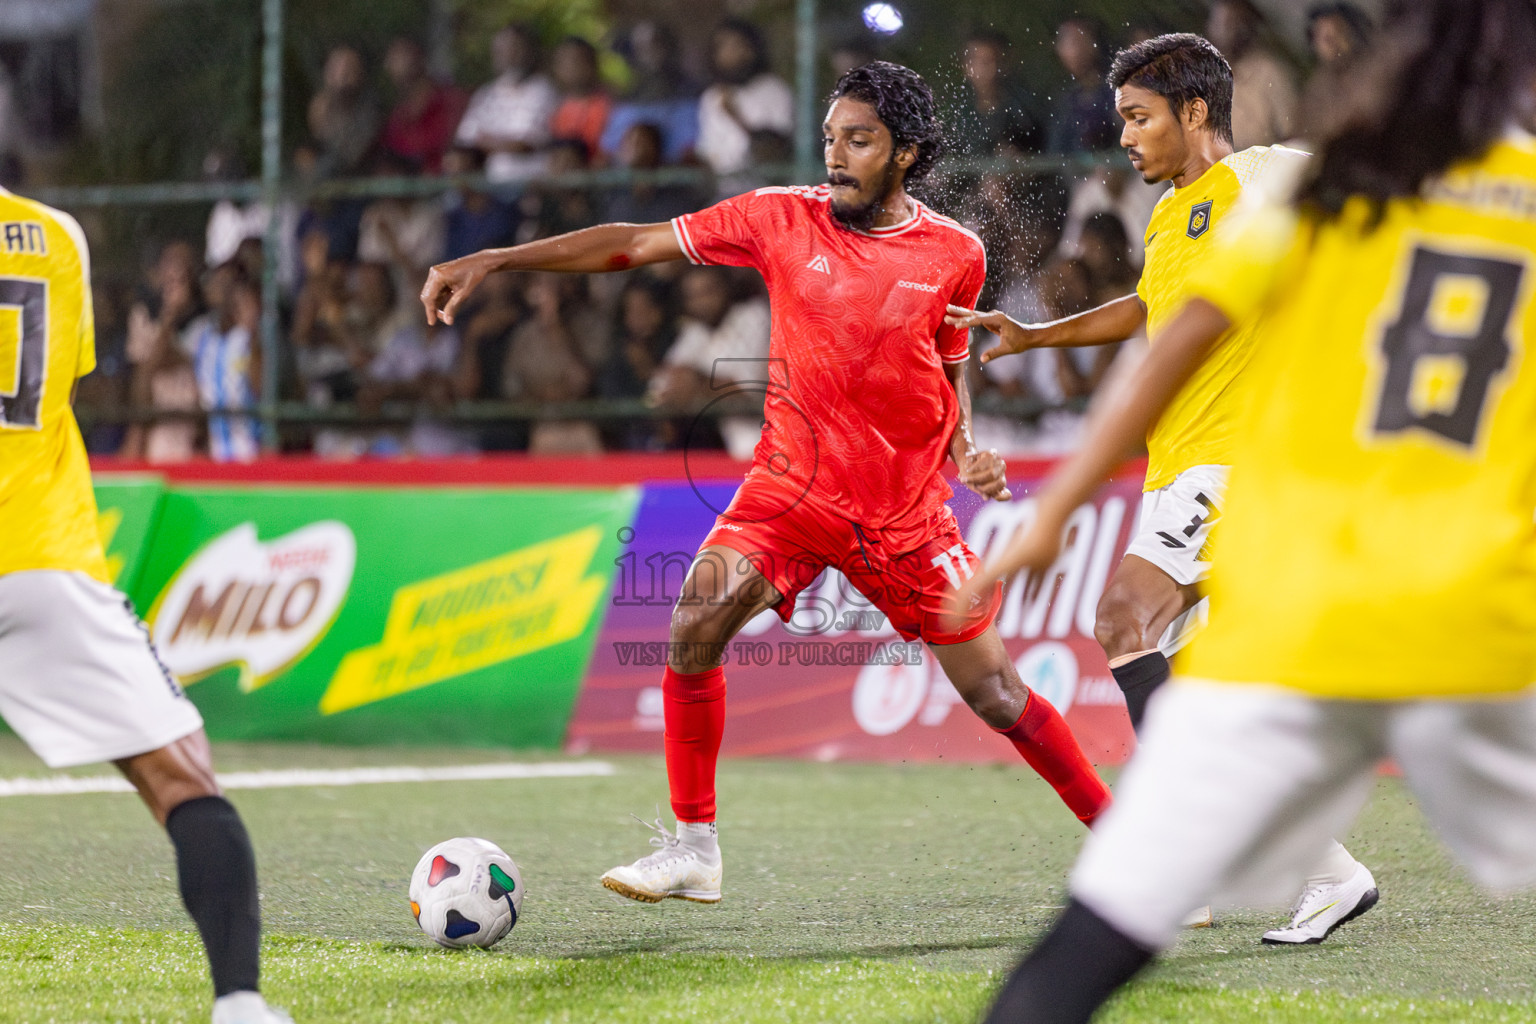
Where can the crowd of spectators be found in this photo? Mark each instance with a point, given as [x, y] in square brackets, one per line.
[183, 353]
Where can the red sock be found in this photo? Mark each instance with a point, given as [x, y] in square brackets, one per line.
[1043, 739]
[693, 709]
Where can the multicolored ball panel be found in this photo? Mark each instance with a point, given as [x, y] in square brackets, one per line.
[442, 868]
[501, 882]
[459, 926]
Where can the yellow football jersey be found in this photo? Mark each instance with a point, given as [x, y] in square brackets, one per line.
[1379, 535]
[1196, 428]
[47, 341]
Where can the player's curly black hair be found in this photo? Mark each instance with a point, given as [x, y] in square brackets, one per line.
[1441, 82]
[1180, 67]
[905, 106]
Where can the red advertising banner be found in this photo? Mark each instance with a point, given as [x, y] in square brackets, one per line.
[838, 682]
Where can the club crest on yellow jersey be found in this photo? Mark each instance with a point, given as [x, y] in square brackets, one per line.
[1199, 218]
[1196, 427]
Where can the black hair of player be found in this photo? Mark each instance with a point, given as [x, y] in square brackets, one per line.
[1442, 81]
[904, 104]
[1181, 67]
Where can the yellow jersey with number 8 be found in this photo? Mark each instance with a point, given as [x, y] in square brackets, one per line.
[1379, 535]
[1186, 227]
[47, 342]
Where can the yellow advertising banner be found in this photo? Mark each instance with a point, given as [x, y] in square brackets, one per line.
[470, 618]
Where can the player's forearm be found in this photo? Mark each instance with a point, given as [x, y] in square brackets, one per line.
[960, 441]
[1122, 419]
[588, 251]
[1116, 320]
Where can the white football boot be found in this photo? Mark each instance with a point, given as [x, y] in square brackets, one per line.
[673, 870]
[1322, 908]
[247, 1008]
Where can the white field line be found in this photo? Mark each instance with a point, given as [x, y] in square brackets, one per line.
[62, 785]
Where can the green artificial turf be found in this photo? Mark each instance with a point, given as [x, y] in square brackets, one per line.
[852, 893]
[69, 975]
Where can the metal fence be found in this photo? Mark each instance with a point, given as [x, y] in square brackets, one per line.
[275, 188]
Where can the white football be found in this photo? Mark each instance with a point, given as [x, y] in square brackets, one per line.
[466, 892]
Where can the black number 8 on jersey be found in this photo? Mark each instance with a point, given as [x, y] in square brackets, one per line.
[1448, 343]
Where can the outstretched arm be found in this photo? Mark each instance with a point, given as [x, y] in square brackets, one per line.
[1114, 321]
[1119, 422]
[588, 251]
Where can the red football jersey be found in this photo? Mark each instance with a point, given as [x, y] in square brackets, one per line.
[858, 412]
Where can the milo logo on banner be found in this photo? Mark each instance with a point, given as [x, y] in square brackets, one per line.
[259, 605]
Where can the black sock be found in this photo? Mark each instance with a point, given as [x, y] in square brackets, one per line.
[1070, 973]
[1138, 680]
[216, 868]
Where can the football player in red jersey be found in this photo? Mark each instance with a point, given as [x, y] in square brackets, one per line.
[866, 398]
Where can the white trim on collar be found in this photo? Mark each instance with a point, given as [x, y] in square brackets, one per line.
[890, 230]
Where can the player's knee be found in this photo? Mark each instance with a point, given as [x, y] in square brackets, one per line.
[171, 776]
[698, 636]
[1118, 624]
[998, 700]
[696, 622]
[173, 793]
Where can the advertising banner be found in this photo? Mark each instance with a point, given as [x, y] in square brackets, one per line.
[382, 615]
[837, 681]
[127, 508]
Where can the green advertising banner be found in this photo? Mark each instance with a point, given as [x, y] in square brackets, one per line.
[382, 615]
[127, 508]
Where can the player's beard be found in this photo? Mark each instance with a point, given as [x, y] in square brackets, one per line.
[862, 217]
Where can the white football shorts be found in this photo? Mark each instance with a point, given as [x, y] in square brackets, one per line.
[1237, 790]
[80, 681]
[1176, 521]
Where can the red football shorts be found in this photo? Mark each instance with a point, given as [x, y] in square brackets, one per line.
[907, 570]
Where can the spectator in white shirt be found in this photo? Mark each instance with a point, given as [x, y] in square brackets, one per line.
[508, 117]
[745, 101]
[230, 224]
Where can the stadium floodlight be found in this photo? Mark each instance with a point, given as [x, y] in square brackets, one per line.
[883, 18]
